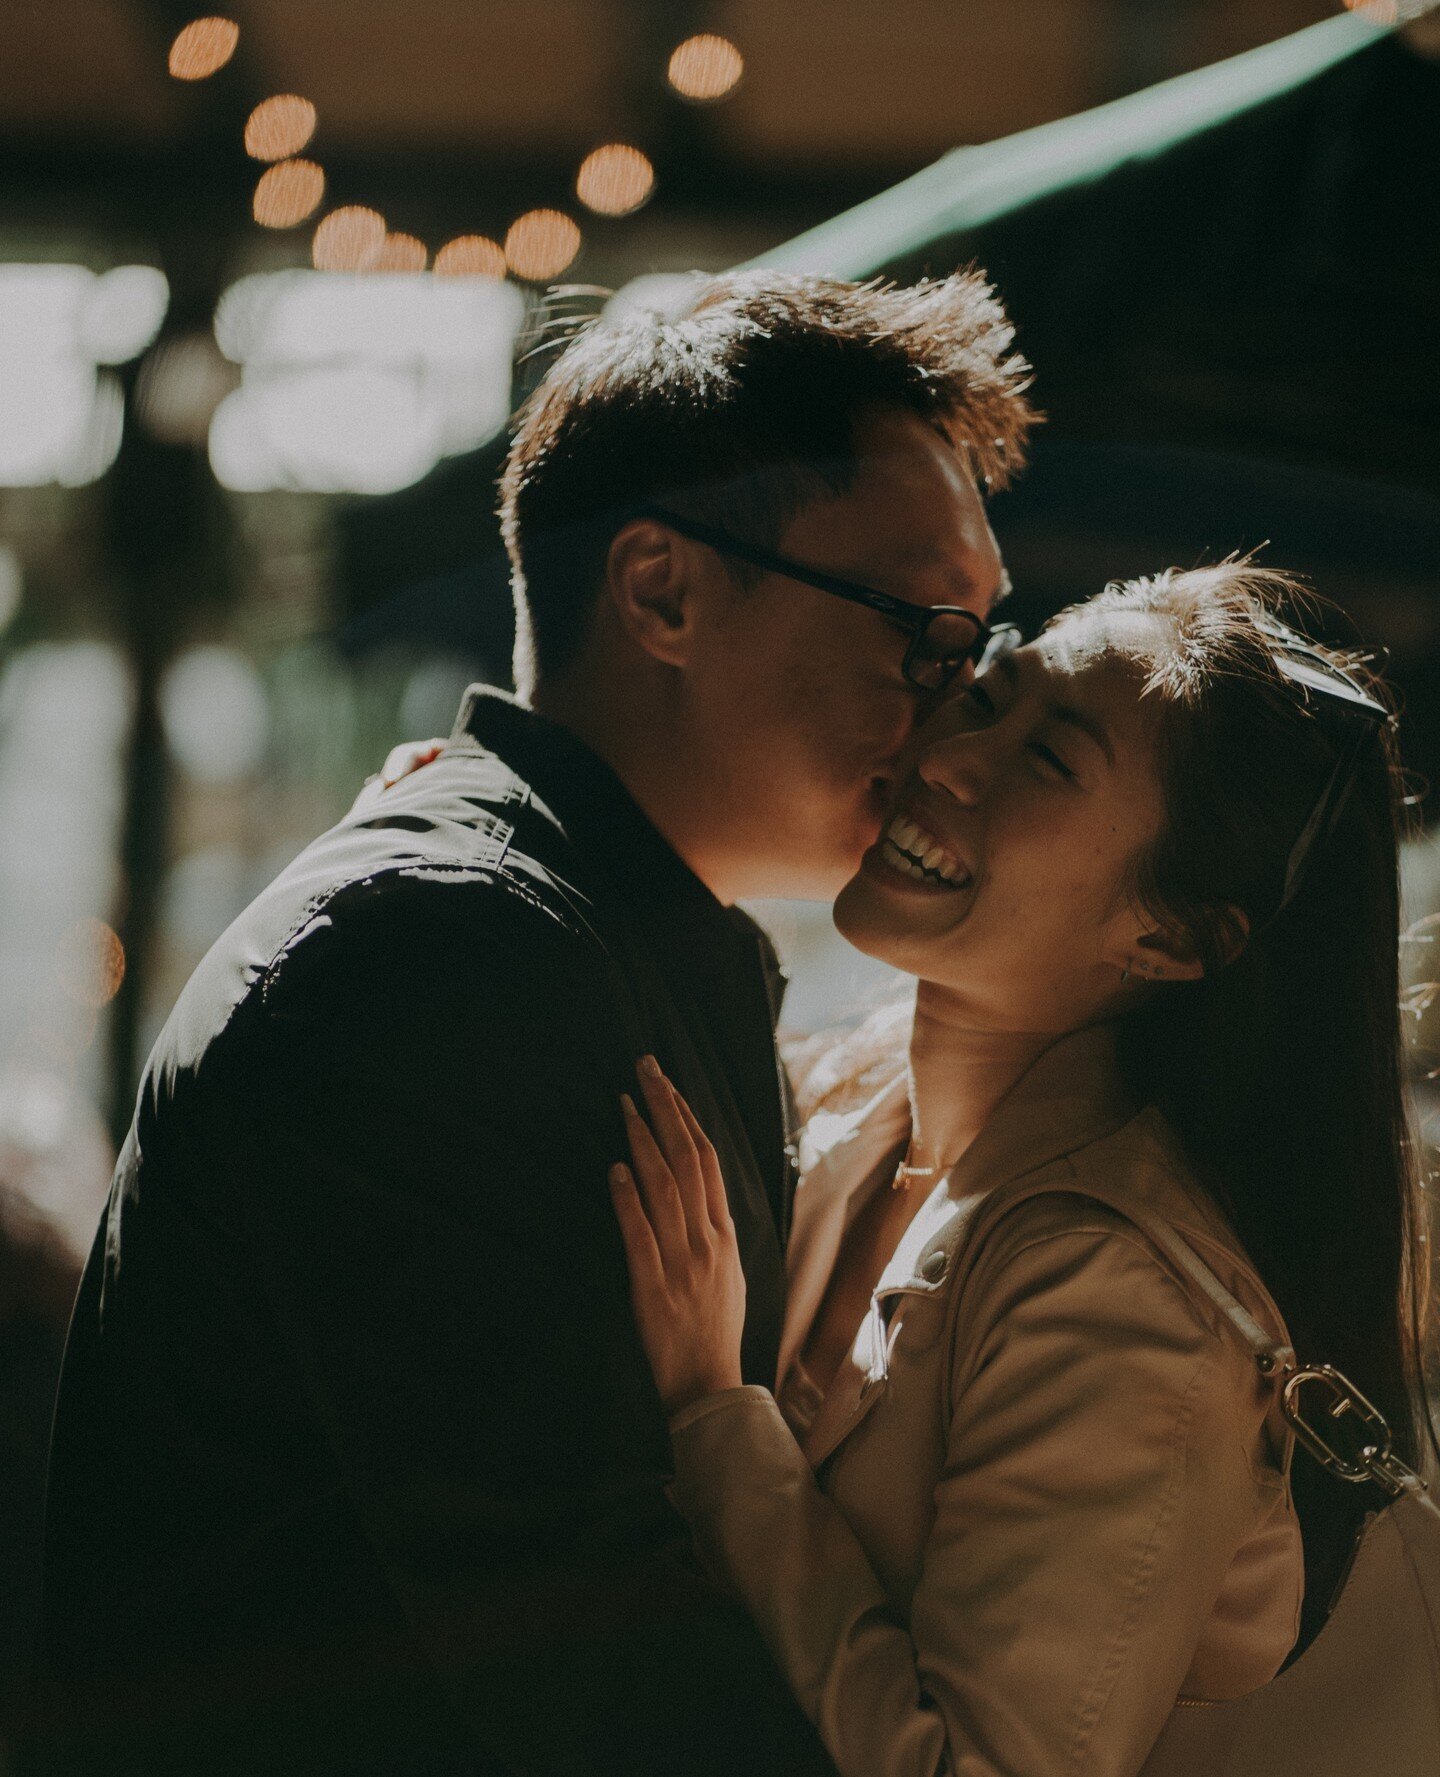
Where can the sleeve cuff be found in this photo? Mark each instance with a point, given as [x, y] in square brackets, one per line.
[718, 1403]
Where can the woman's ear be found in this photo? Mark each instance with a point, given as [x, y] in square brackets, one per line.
[649, 579]
[1161, 955]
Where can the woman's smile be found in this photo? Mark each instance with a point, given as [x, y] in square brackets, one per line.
[916, 852]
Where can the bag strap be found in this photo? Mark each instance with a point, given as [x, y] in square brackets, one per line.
[1273, 1359]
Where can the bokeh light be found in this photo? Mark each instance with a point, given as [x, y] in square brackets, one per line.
[540, 244]
[202, 47]
[705, 67]
[349, 239]
[60, 418]
[179, 386]
[279, 127]
[216, 714]
[471, 256]
[359, 384]
[288, 193]
[92, 962]
[615, 180]
[400, 252]
[122, 312]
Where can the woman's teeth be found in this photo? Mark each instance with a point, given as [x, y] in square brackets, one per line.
[914, 852]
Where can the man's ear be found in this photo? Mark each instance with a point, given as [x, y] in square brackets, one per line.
[650, 576]
[1160, 955]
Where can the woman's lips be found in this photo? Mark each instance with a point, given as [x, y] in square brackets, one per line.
[911, 850]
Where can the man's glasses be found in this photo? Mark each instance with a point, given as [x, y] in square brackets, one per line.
[944, 639]
[1352, 713]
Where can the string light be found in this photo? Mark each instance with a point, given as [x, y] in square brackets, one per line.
[288, 193]
[400, 252]
[470, 256]
[540, 244]
[204, 46]
[279, 127]
[615, 180]
[705, 68]
[92, 962]
[349, 239]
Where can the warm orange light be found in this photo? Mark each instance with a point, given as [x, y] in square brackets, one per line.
[400, 252]
[705, 67]
[1378, 12]
[92, 962]
[279, 127]
[202, 47]
[349, 239]
[470, 256]
[288, 193]
[614, 180]
[540, 244]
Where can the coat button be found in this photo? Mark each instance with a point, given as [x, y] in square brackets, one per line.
[932, 1267]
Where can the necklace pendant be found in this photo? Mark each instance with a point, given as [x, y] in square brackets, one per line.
[905, 1173]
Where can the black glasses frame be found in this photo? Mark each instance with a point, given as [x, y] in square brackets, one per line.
[915, 620]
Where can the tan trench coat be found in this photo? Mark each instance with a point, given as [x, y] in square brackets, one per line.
[1031, 1514]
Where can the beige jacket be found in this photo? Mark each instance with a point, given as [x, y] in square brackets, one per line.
[1047, 1504]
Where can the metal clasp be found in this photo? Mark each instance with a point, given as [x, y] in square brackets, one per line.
[1375, 1460]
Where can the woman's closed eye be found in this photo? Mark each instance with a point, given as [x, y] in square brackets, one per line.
[1052, 760]
[976, 698]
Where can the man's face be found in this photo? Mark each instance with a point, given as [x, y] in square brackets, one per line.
[802, 694]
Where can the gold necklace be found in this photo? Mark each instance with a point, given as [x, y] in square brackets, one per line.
[906, 1174]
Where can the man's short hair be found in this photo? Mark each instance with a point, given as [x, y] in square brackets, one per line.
[739, 411]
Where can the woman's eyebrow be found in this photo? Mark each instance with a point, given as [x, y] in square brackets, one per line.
[1062, 712]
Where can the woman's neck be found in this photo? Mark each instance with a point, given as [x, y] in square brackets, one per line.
[959, 1072]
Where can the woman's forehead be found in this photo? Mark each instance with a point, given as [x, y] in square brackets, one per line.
[1098, 662]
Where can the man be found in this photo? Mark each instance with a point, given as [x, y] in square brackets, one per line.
[357, 1465]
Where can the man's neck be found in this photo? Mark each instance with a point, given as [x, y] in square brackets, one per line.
[959, 1072]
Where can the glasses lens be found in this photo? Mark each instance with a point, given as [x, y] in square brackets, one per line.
[950, 640]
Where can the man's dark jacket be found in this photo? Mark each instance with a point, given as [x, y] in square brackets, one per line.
[358, 1466]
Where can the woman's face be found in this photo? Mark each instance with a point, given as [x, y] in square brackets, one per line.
[1001, 875]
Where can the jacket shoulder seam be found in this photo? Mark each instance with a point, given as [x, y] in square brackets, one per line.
[318, 904]
[1097, 1223]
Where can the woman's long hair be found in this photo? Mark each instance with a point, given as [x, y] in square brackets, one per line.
[1282, 1071]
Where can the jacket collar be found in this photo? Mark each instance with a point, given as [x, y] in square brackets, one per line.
[595, 810]
[1072, 1095]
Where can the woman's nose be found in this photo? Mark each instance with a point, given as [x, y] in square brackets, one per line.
[956, 767]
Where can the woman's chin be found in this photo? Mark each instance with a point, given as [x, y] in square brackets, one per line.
[869, 924]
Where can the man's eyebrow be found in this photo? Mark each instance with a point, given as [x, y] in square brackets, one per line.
[1062, 712]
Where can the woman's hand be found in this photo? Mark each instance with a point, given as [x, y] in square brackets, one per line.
[686, 1285]
[400, 761]
[409, 756]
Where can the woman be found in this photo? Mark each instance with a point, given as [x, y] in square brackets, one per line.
[1015, 1498]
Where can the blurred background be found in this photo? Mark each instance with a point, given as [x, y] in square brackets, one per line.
[271, 283]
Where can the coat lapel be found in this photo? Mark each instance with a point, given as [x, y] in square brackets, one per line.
[839, 1155]
[1070, 1097]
